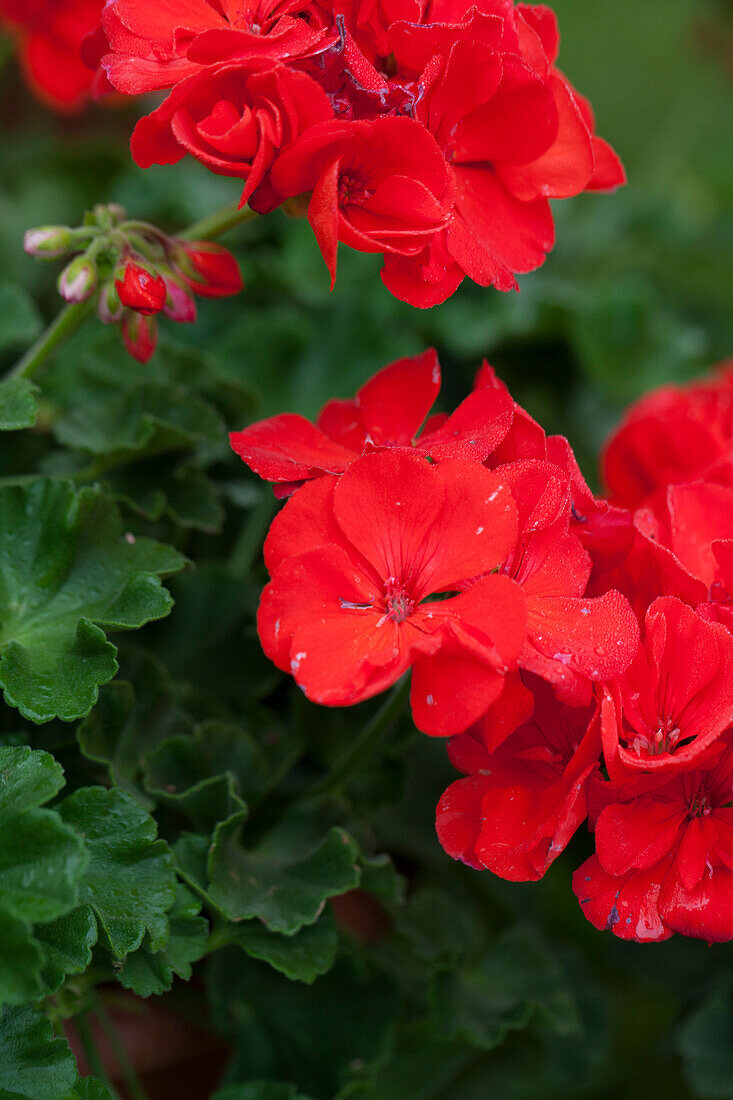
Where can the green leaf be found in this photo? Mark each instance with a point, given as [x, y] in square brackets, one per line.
[288, 1031]
[20, 321]
[17, 404]
[89, 1088]
[20, 962]
[144, 420]
[41, 858]
[33, 1065]
[150, 973]
[517, 978]
[67, 571]
[67, 945]
[27, 779]
[210, 776]
[186, 495]
[279, 882]
[705, 1041]
[129, 720]
[303, 957]
[130, 881]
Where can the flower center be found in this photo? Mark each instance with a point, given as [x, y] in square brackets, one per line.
[663, 740]
[398, 604]
[700, 805]
[351, 190]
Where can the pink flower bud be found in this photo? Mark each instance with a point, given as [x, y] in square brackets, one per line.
[78, 280]
[179, 306]
[140, 289]
[210, 269]
[140, 335]
[110, 308]
[49, 242]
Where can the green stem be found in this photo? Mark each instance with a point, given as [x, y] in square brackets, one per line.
[61, 328]
[216, 224]
[350, 761]
[90, 1050]
[135, 1088]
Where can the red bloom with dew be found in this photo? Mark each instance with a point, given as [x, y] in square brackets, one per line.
[435, 137]
[361, 567]
[664, 858]
[519, 805]
[390, 410]
[667, 711]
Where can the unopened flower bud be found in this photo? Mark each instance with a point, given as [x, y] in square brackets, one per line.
[140, 335]
[110, 308]
[180, 305]
[210, 269]
[140, 289]
[78, 280]
[48, 242]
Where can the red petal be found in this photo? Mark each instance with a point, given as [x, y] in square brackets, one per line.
[626, 906]
[289, 448]
[567, 166]
[458, 819]
[636, 835]
[395, 402]
[704, 911]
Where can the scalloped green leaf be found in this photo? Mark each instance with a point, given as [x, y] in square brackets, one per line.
[148, 419]
[130, 719]
[67, 573]
[516, 979]
[283, 882]
[41, 858]
[17, 404]
[130, 882]
[21, 960]
[150, 973]
[66, 944]
[307, 955]
[209, 776]
[33, 1064]
[89, 1088]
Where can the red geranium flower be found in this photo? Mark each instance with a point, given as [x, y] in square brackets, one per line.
[388, 411]
[664, 859]
[50, 34]
[354, 561]
[379, 185]
[233, 118]
[519, 805]
[674, 434]
[155, 46]
[425, 522]
[668, 709]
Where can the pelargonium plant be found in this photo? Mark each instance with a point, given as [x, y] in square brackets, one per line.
[199, 809]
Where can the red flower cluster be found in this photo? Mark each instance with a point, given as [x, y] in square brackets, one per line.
[50, 34]
[469, 549]
[432, 133]
[650, 761]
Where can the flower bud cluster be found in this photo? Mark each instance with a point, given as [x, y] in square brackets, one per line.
[134, 271]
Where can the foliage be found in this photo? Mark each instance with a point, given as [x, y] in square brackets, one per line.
[162, 814]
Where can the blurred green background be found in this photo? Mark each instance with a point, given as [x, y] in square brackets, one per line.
[639, 291]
